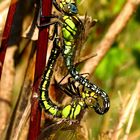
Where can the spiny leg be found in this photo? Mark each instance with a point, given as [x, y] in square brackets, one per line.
[72, 86]
[56, 5]
[51, 16]
[45, 25]
[65, 89]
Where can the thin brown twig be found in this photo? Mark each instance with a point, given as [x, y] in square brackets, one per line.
[114, 30]
[130, 121]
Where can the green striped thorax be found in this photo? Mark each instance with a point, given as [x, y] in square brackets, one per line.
[72, 111]
[70, 29]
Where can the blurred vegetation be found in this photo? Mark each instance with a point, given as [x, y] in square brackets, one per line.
[118, 72]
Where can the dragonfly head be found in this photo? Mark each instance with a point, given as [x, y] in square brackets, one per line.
[90, 102]
[69, 7]
[89, 98]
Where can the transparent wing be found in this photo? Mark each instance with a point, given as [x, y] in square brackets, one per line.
[64, 129]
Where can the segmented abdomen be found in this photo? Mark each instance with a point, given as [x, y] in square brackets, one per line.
[70, 111]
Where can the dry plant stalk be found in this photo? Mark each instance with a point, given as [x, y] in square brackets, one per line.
[23, 106]
[6, 87]
[4, 4]
[3, 14]
[130, 108]
[114, 30]
[24, 121]
[6, 33]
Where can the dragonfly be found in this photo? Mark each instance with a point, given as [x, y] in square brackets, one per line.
[71, 27]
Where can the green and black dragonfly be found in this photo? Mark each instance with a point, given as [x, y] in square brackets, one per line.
[71, 27]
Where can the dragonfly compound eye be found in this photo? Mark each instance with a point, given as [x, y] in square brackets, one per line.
[73, 8]
[70, 9]
[90, 102]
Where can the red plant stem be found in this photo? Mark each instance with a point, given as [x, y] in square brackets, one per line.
[6, 32]
[42, 44]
